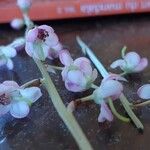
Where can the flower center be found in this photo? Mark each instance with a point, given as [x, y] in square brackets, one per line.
[4, 100]
[42, 34]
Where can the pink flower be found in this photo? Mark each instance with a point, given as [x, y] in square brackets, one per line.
[24, 4]
[15, 100]
[77, 75]
[109, 88]
[17, 23]
[131, 63]
[6, 53]
[144, 91]
[105, 113]
[42, 42]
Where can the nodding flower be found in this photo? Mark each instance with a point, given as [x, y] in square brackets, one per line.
[131, 63]
[42, 42]
[109, 88]
[17, 100]
[78, 75]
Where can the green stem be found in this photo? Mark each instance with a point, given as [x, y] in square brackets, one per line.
[27, 20]
[94, 86]
[66, 116]
[54, 67]
[122, 74]
[141, 104]
[87, 98]
[100, 67]
[120, 117]
[123, 51]
[131, 114]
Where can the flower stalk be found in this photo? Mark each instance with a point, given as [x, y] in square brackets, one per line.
[113, 109]
[104, 73]
[66, 116]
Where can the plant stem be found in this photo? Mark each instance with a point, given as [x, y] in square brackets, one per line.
[54, 67]
[123, 73]
[113, 109]
[94, 86]
[66, 116]
[131, 114]
[123, 50]
[141, 104]
[84, 99]
[104, 73]
[34, 82]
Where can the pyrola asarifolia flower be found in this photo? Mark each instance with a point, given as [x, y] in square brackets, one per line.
[17, 24]
[105, 113]
[42, 42]
[24, 5]
[77, 75]
[109, 88]
[6, 53]
[16, 100]
[144, 91]
[131, 63]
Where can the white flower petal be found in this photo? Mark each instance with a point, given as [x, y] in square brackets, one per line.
[110, 88]
[132, 59]
[76, 76]
[32, 93]
[9, 51]
[117, 63]
[19, 109]
[105, 113]
[10, 64]
[4, 109]
[144, 91]
[65, 58]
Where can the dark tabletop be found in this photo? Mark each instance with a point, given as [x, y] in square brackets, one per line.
[43, 129]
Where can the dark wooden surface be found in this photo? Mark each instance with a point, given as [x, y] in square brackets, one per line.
[43, 129]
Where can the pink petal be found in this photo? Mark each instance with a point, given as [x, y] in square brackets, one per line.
[71, 106]
[29, 49]
[4, 109]
[32, 35]
[111, 88]
[142, 65]
[8, 86]
[64, 73]
[19, 109]
[132, 59]
[47, 28]
[11, 84]
[57, 47]
[94, 74]
[84, 65]
[117, 63]
[105, 113]
[73, 87]
[51, 39]
[113, 76]
[65, 58]
[144, 91]
[77, 77]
